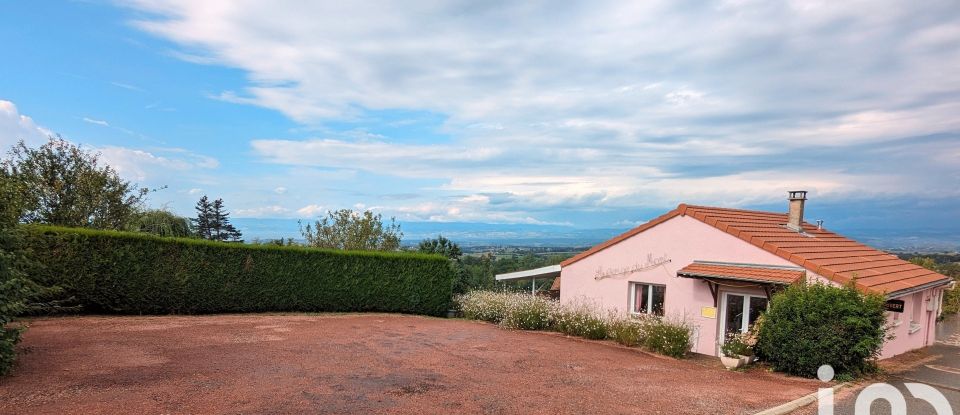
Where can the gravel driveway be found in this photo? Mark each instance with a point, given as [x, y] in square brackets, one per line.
[358, 363]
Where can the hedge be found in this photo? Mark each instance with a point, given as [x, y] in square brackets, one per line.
[809, 325]
[131, 273]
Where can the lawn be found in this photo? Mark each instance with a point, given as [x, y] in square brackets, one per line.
[358, 363]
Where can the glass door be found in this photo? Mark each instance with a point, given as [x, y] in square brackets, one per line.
[740, 311]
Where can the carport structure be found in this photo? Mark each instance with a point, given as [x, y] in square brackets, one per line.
[547, 272]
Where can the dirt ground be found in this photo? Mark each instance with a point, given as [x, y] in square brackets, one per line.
[357, 363]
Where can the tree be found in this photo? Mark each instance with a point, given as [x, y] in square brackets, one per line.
[274, 242]
[213, 221]
[951, 298]
[440, 245]
[162, 223]
[202, 221]
[220, 226]
[62, 184]
[443, 246]
[346, 229]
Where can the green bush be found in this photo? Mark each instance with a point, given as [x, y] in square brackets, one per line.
[132, 273]
[668, 337]
[580, 320]
[13, 295]
[809, 325]
[523, 311]
[483, 305]
[529, 312]
[626, 330]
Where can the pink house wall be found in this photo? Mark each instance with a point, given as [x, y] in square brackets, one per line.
[915, 309]
[683, 239]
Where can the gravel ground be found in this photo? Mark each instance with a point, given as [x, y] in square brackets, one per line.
[358, 363]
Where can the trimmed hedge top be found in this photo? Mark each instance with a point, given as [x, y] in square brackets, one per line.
[135, 273]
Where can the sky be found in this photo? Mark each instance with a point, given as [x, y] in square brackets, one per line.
[594, 114]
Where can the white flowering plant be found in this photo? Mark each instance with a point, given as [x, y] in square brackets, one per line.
[523, 311]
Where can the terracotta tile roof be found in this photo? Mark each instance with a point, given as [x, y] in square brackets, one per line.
[556, 284]
[833, 256]
[742, 272]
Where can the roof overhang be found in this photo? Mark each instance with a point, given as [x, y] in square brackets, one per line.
[947, 282]
[550, 271]
[733, 271]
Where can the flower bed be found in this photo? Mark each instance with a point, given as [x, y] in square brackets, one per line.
[523, 311]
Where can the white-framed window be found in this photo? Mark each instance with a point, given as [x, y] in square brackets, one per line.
[647, 298]
[916, 312]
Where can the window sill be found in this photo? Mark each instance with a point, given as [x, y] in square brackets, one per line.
[896, 323]
[914, 327]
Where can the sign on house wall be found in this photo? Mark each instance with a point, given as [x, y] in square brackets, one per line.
[895, 306]
[649, 262]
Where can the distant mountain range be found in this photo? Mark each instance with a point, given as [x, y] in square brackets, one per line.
[487, 234]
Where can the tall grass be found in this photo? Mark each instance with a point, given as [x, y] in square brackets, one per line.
[668, 336]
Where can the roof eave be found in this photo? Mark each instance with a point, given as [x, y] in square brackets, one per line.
[726, 277]
[911, 290]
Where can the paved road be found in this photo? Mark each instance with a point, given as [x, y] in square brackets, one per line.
[948, 331]
[943, 373]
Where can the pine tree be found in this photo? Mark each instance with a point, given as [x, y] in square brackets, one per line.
[220, 227]
[217, 218]
[202, 221]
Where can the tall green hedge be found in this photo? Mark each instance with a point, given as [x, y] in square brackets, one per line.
[130, 273]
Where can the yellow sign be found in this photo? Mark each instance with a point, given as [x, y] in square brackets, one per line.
[708, 312]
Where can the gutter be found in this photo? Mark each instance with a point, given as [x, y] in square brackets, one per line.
[919, 288]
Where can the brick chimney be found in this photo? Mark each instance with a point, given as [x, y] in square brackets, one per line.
[795, 216]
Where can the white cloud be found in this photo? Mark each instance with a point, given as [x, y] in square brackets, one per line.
[97, 122]
[280, 190]
[15, 126]
[142, 165]
[311, 211]
[261, 212]
[600, 104]
[194, 191]
[400, 159]
[126, 86]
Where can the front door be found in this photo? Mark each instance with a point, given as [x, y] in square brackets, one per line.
[740, 311]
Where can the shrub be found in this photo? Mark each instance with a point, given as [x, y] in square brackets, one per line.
[580, 320]
[133, 273]
[528, 312]
[483, 305]
[522, 311]
[809, 325]
[669, 337]
[627, 330]
[14, 293]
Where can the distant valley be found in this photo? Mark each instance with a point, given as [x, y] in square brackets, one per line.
[479, 235]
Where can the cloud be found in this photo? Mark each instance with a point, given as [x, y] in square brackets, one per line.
[598, 105]
[261, 212]
[280, 190]
[15, 126]
[401, 159]
[127, 86]
[311, 211]
[195, 191]
[97, 122]
[142, 165]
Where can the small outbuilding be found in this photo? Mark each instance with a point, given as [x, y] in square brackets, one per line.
[719, 267]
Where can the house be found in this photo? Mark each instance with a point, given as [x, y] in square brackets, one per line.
[717, 268]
